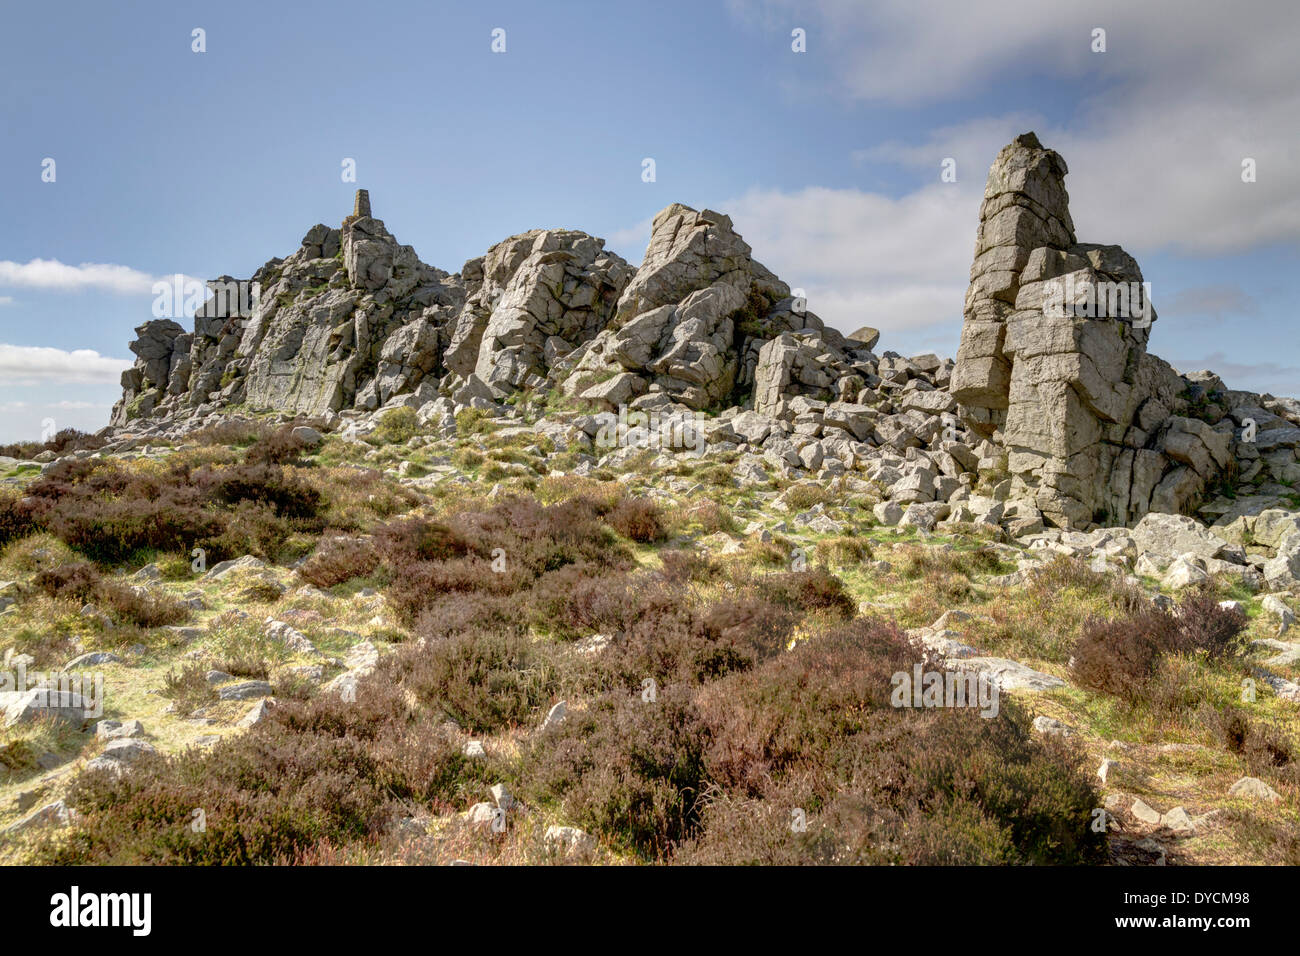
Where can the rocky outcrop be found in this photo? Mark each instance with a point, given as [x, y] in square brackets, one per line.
[1053, 363]
[353, 319]
[1053, 417]
[317, 342]
[542, 294]
[692, 320]
[309, 337]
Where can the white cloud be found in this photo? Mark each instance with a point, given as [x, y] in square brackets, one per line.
[33, 365]
[1180, 99]
[52, 275]
[6, 300]
[861, 258]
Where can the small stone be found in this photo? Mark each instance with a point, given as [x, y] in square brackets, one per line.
[501, 796]
[117, 730]
[307, 435]
[247, 690]
[481, 815]
[1153, 846]
[258, 712]
[1177, 819]
[93, 659]
[1104, 770]
[556, 716]
[474, 750]
[25, 707]
[888, 513]
[593, 645]
[1144, 812]
[1252, 788]
[569, 840]
[1274, 605]
[1046, 725]
[119, 755]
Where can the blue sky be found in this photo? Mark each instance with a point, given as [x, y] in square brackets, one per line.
[828, 161]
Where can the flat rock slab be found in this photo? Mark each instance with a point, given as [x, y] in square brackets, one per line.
[55, 814]
[1009, 674]
[945, 643]
[248, 690]
[1288, 653]
[23, 707]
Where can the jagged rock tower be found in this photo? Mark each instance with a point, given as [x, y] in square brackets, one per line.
[1053, 362]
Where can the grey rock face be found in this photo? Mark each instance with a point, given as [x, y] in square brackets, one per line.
[317, 342]
[794, 364]
[1053, 362]
[544, 291]
[685, 323]
[311, 341]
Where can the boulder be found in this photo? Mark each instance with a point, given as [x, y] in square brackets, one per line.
[24, 707]
[119, 754]
[569, 840]
[245, 690]
[1172, 535]
[1252, 788]
[1282, 571]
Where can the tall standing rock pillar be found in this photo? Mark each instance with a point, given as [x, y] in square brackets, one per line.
[1053, 362]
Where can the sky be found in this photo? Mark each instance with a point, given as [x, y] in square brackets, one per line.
[829, 160]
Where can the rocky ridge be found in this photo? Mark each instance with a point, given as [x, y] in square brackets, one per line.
[1053, 419]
